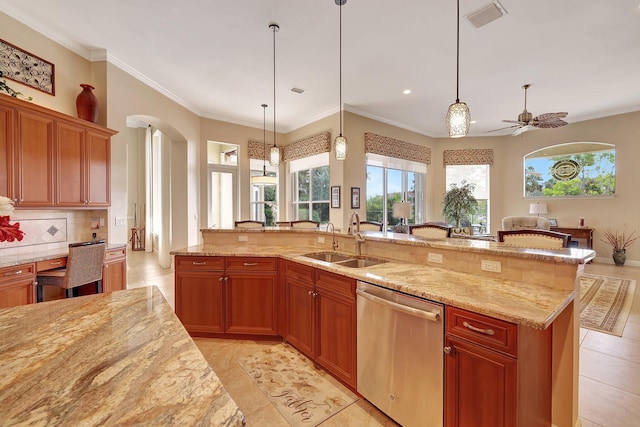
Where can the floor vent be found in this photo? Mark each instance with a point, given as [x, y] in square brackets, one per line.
[487, 13]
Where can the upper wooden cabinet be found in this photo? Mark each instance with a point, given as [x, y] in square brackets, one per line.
[49, 159]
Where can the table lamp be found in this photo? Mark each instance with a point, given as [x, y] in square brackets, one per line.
[402, 210]
[538, 208]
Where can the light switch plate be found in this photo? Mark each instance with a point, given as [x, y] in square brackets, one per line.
[320, 239]
[243, 238]
[435, 258]
[492, 266]
[120, 221]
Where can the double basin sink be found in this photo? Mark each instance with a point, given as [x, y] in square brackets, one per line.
[351, 261]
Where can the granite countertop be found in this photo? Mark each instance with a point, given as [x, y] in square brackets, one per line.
[42, 255]
[529, 305]
[110, 359]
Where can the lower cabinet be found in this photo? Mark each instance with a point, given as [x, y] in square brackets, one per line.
[496, 373]
[114, 270]
[321, 318]
[232, 295]
[17, 285]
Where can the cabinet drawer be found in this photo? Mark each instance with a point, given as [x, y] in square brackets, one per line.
[251, 264]
[50, 264]
[113, 254]
[197, 263]
[486, 331]
[336, 283]
[17, 273]
[299, 272]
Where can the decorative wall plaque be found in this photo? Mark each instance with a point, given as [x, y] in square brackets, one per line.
[26, 68]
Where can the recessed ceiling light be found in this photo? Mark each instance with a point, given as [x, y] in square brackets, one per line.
[473, 122]
[406, 91]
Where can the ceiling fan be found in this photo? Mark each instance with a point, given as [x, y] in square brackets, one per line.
[527, 122]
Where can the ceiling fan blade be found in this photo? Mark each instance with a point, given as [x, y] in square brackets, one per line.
[508, 127]
[550, 117]
[514, 121]
[550, 125]
[522, 130]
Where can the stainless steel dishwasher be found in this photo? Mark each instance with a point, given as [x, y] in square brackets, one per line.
[400, 355]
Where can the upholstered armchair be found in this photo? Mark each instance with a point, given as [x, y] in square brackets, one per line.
[525, 223]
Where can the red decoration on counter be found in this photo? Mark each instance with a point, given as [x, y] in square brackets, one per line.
[9, 232]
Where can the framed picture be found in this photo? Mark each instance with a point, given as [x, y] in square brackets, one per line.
[355, 197]
[24, 67]
[335, 196]
[553, 222]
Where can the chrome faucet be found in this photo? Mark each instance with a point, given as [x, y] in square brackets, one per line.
[355, 231]
[334, 243]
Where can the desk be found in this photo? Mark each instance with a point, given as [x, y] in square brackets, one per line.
[577, 233]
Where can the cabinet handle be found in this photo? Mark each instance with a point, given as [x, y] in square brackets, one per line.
[448, 350]
[226, 279]
[250, 264]
[55, 263]
[310, 293]
[200, 263]
[482, 331]
[314, 294]
[220, 279]
[13, 273]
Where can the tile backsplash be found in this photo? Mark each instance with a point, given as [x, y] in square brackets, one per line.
[53, 229]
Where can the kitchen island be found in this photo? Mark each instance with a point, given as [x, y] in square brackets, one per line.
[109, 359]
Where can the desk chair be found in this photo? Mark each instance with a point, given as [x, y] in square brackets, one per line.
[249, 224]
[84, 266]
[535, 239]
[431, 230]
[304, 223]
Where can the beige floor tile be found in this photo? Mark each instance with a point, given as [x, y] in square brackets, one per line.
[586, 423]
[623, 348]
[607, 406]
[583, 334]
[359, 413]
[610, 370]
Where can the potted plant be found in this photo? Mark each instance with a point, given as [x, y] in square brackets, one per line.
[619, 243]
[459, 204]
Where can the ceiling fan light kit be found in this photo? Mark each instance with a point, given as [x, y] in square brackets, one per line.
[458, 116]
[274, 158]
[340, 143]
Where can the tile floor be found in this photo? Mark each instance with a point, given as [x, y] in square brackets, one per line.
[609, 394]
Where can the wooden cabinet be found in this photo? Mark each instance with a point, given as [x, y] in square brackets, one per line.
[321, 318]
[49, 159]
[232, 295]
[496, 373]
[17, 285]
[114, 270]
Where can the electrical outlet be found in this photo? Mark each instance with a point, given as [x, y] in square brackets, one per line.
[320, 239]
[243, 238]
[435, 258]
[101, 222]
[120, 220]
[492, 266]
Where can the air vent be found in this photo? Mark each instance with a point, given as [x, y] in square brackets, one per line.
[487, 13]
[297, 90]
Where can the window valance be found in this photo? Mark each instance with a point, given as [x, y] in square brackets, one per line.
[468, 156]
[256, 150]
[385, 146]
[309, 146]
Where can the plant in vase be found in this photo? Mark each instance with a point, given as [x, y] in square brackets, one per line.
[459, 203]
[619, 243]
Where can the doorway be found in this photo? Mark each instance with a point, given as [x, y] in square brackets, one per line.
[222, 182]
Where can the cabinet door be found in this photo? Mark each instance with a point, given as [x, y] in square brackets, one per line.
[6, 149]
[17, 285]
[98, 174]
[34, 166]
[336, 344]
[300, 311]
[251, 303]
[114, 275]
[70, 165]
[480, 386]
[200, 301]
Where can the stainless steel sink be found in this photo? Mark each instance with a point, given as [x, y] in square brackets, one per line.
[327, 256]
[360, 262]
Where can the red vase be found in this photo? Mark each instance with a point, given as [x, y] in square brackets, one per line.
[87, 104]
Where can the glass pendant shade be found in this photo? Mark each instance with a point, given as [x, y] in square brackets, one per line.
[264, 180]
[340, 147]
[458, 119]
[274, 158]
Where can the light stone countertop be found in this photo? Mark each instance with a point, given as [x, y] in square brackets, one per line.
[42, 255]
[110, 359]
[529, 305]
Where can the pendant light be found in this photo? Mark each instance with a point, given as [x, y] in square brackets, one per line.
[264, 179]
[274, 158]
[340, 145]
[458, 116]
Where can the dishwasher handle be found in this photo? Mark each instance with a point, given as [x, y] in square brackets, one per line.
[428, 315]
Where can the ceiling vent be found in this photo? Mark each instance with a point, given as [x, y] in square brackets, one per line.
[487, 13]
[297, 90]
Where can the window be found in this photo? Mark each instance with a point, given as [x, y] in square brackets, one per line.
[582, 169]
[263, 202]
[390, 181]
[478, 175]
[310, 184]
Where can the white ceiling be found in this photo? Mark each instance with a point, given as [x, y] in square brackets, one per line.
[216, 57]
